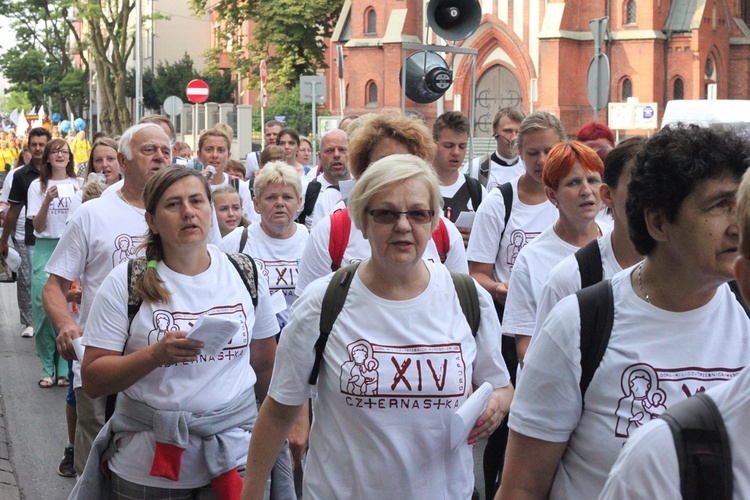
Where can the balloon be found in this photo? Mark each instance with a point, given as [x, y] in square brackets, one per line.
[65, 126]
[79, 124]
[56, 117]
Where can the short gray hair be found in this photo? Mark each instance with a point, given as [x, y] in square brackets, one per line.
[127, 138]
[382, 175]
[277, 172]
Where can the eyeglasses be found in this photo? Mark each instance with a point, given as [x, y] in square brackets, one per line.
[391, 216]
[59, 152]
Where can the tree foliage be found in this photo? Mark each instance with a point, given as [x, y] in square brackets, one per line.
[289, 34]
[42, 58]
[172, 79]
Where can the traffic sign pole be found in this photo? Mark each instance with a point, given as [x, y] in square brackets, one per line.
[197, 91]
[263, 75]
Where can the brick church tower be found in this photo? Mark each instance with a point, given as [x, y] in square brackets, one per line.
[659, 50]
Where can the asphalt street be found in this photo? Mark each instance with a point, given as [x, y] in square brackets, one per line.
[32, 441]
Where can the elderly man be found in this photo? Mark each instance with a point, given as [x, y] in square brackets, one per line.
[101, 234]
[334, 166]
[675, 328]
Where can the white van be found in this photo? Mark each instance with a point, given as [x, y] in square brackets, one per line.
[733, 112]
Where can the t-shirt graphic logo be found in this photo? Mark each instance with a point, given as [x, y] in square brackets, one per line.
[280, 274]
[125, 248]
[359, 375]
[163, 323]
[642, 401]
[518, 240]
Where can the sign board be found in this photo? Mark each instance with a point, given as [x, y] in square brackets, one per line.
[197, 91]
[263, 97]
[308, 84]
[597, 82]
[263, 72]
[630, 116]
[173, 105]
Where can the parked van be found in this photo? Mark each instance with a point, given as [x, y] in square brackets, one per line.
[734, 112]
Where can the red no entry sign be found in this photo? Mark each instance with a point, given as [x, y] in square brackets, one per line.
[197, 91]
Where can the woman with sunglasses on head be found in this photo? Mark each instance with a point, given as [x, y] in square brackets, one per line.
[48, 207]
[401, 316]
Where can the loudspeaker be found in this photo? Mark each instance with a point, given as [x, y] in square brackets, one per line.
[427, 77]
[454, 19]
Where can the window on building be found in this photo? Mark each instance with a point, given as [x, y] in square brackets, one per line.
[627, 89]
[371, 22]
[372, 94]
[678, 89]
[630, 12]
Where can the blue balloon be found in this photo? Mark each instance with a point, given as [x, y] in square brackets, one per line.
[56, 117]
[79, 124]
[65, 126]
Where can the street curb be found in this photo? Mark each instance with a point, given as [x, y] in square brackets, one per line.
[8, 485]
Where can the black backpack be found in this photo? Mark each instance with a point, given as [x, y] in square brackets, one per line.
[335, 296]
[311, 197]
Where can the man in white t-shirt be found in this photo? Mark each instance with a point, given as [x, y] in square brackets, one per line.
[334, 164]
[677, 327]
[504, 164]
[102, 234]
[270, 133]
[460, 192]
[647, 466]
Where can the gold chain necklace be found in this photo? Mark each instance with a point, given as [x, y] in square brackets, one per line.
[140, 211]
[640, 284]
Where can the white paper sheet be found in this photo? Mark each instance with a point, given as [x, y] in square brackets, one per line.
[463, 421]
[79, 348]
[65, 191]
[465, 219]
[345, 187]
[214, 332]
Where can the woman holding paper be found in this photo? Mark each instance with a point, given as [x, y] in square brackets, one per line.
[201, 403]
[49, 199]
[399, 361]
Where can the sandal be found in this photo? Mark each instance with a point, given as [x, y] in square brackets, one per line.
[63, 382]
[45, 382]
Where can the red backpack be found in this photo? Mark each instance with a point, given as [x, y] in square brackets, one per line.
[341, 226]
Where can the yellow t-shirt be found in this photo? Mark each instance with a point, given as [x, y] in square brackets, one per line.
[81, 150]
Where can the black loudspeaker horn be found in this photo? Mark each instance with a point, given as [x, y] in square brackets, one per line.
[427, 77]
[454, 19]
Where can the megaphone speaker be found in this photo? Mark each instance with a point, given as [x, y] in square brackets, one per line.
[427, 77]
[454, 19]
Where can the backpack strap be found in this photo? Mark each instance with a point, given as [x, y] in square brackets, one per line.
[589, 259]
[234, 181]
[243, 240]
[333, 302]
[442, 240]
[507, 192]
[703, 450]
[737, 295]
[245, 266]
[251, 186]
[136, 268]
[468, 297]
[597, 311]
[475, 192]
[341, 226]
[311, 196]
[484, 169]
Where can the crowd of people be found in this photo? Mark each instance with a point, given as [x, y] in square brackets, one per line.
[285, 327]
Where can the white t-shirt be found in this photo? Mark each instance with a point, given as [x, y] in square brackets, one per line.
[499, 174]
[114, 188]
[251, 164]
[654, 359]
[393, 373]
[277, 261]
[526, 222]
[329, 200]
[57, 213]
[199, 387]
[647, 467]
[565, 278]
[20, 230]
[450, 191]
[316, 259]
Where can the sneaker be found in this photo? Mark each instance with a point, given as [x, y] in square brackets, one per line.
[28, 332]
[65, 469]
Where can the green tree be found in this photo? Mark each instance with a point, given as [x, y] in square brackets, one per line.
[289, 34]
[15, 99]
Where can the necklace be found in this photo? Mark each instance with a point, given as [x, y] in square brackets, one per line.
[122, 197]
[640, 285]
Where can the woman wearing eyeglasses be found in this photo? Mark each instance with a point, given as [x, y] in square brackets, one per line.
[48, 206]
[399, 361]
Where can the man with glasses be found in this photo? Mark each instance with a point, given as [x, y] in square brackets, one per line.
[18, 199]
[504, 164]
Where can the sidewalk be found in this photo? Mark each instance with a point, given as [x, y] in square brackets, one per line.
[8, 487]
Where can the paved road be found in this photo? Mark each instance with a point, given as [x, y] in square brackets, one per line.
[35, 420]
[34, 417]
